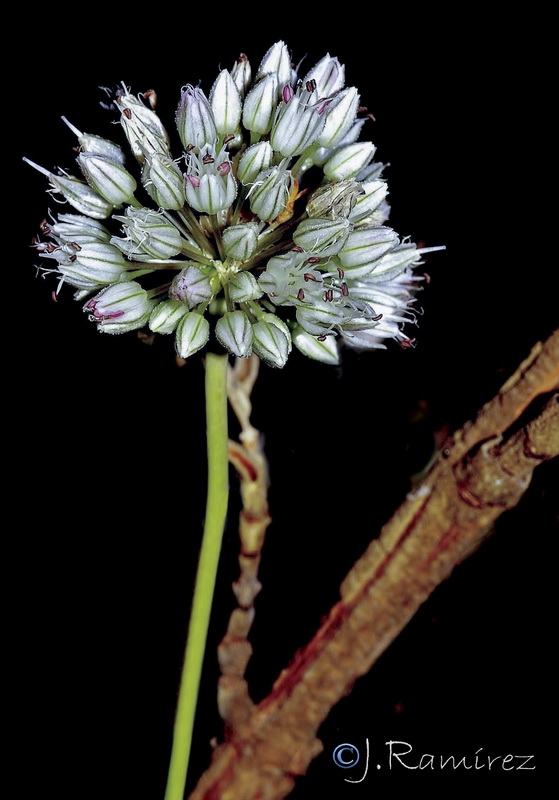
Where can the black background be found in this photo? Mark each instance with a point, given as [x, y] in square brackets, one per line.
[109, 464]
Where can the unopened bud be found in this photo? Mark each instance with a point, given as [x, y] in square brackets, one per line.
[339, 115]
[278, 62]
[328, 74]
[193, 332]
[166, 316]
[374, 192]
[272, 340]
[364, 247]
[271, 192]
[164, 181]
[111, 180]
[192, 285]
[226, 104]
[253, 161]
[239, 241]
[349, 160]
[260, 105]
[234, 332]
[322, 236]
[244, 287]
[195, 119]
[296, 125]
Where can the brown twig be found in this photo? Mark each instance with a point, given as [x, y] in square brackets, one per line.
[477, 477]
[235, 705]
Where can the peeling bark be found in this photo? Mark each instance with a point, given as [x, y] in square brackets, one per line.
[480, 473]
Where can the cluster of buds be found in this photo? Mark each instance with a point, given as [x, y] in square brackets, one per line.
[248, 253]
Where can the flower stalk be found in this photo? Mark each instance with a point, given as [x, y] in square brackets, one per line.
[216, 510]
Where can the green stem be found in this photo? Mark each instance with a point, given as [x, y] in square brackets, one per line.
[216, 510]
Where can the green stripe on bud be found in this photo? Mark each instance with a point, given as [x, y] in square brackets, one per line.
[234, 332]
[193, 332]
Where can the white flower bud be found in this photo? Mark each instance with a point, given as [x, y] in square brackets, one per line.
[192, 285]
[328, 74]
[296, 123]
[108, 178]
[322, 236]
[253, 161]
[323, 154]
[272, 340]
[143, 128]
[226, 103]
[271, 192]
[260, 105]
[94, 264]
[119, 308]
[323, 349]
[394, 262]
[363, 248]
[166, 316]
[164, 181]
[276, 61]
[340, 114]
[374, 192]
[91, 273]
[320, 318]
[349, 160]
[241, 74]
[239, 241]
[81, 196]
[244, 287]
[79, 229]
[234, 332]
[96, 144]
[151, 232]
[193, 333]
[195, 119]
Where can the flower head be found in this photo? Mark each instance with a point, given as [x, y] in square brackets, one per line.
[269, 229]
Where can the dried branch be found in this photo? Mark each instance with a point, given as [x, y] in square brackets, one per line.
[235, 705]
[477, 477]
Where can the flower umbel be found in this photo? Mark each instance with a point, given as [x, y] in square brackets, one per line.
[269, 230]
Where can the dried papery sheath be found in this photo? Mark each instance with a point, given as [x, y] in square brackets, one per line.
[270, 222]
